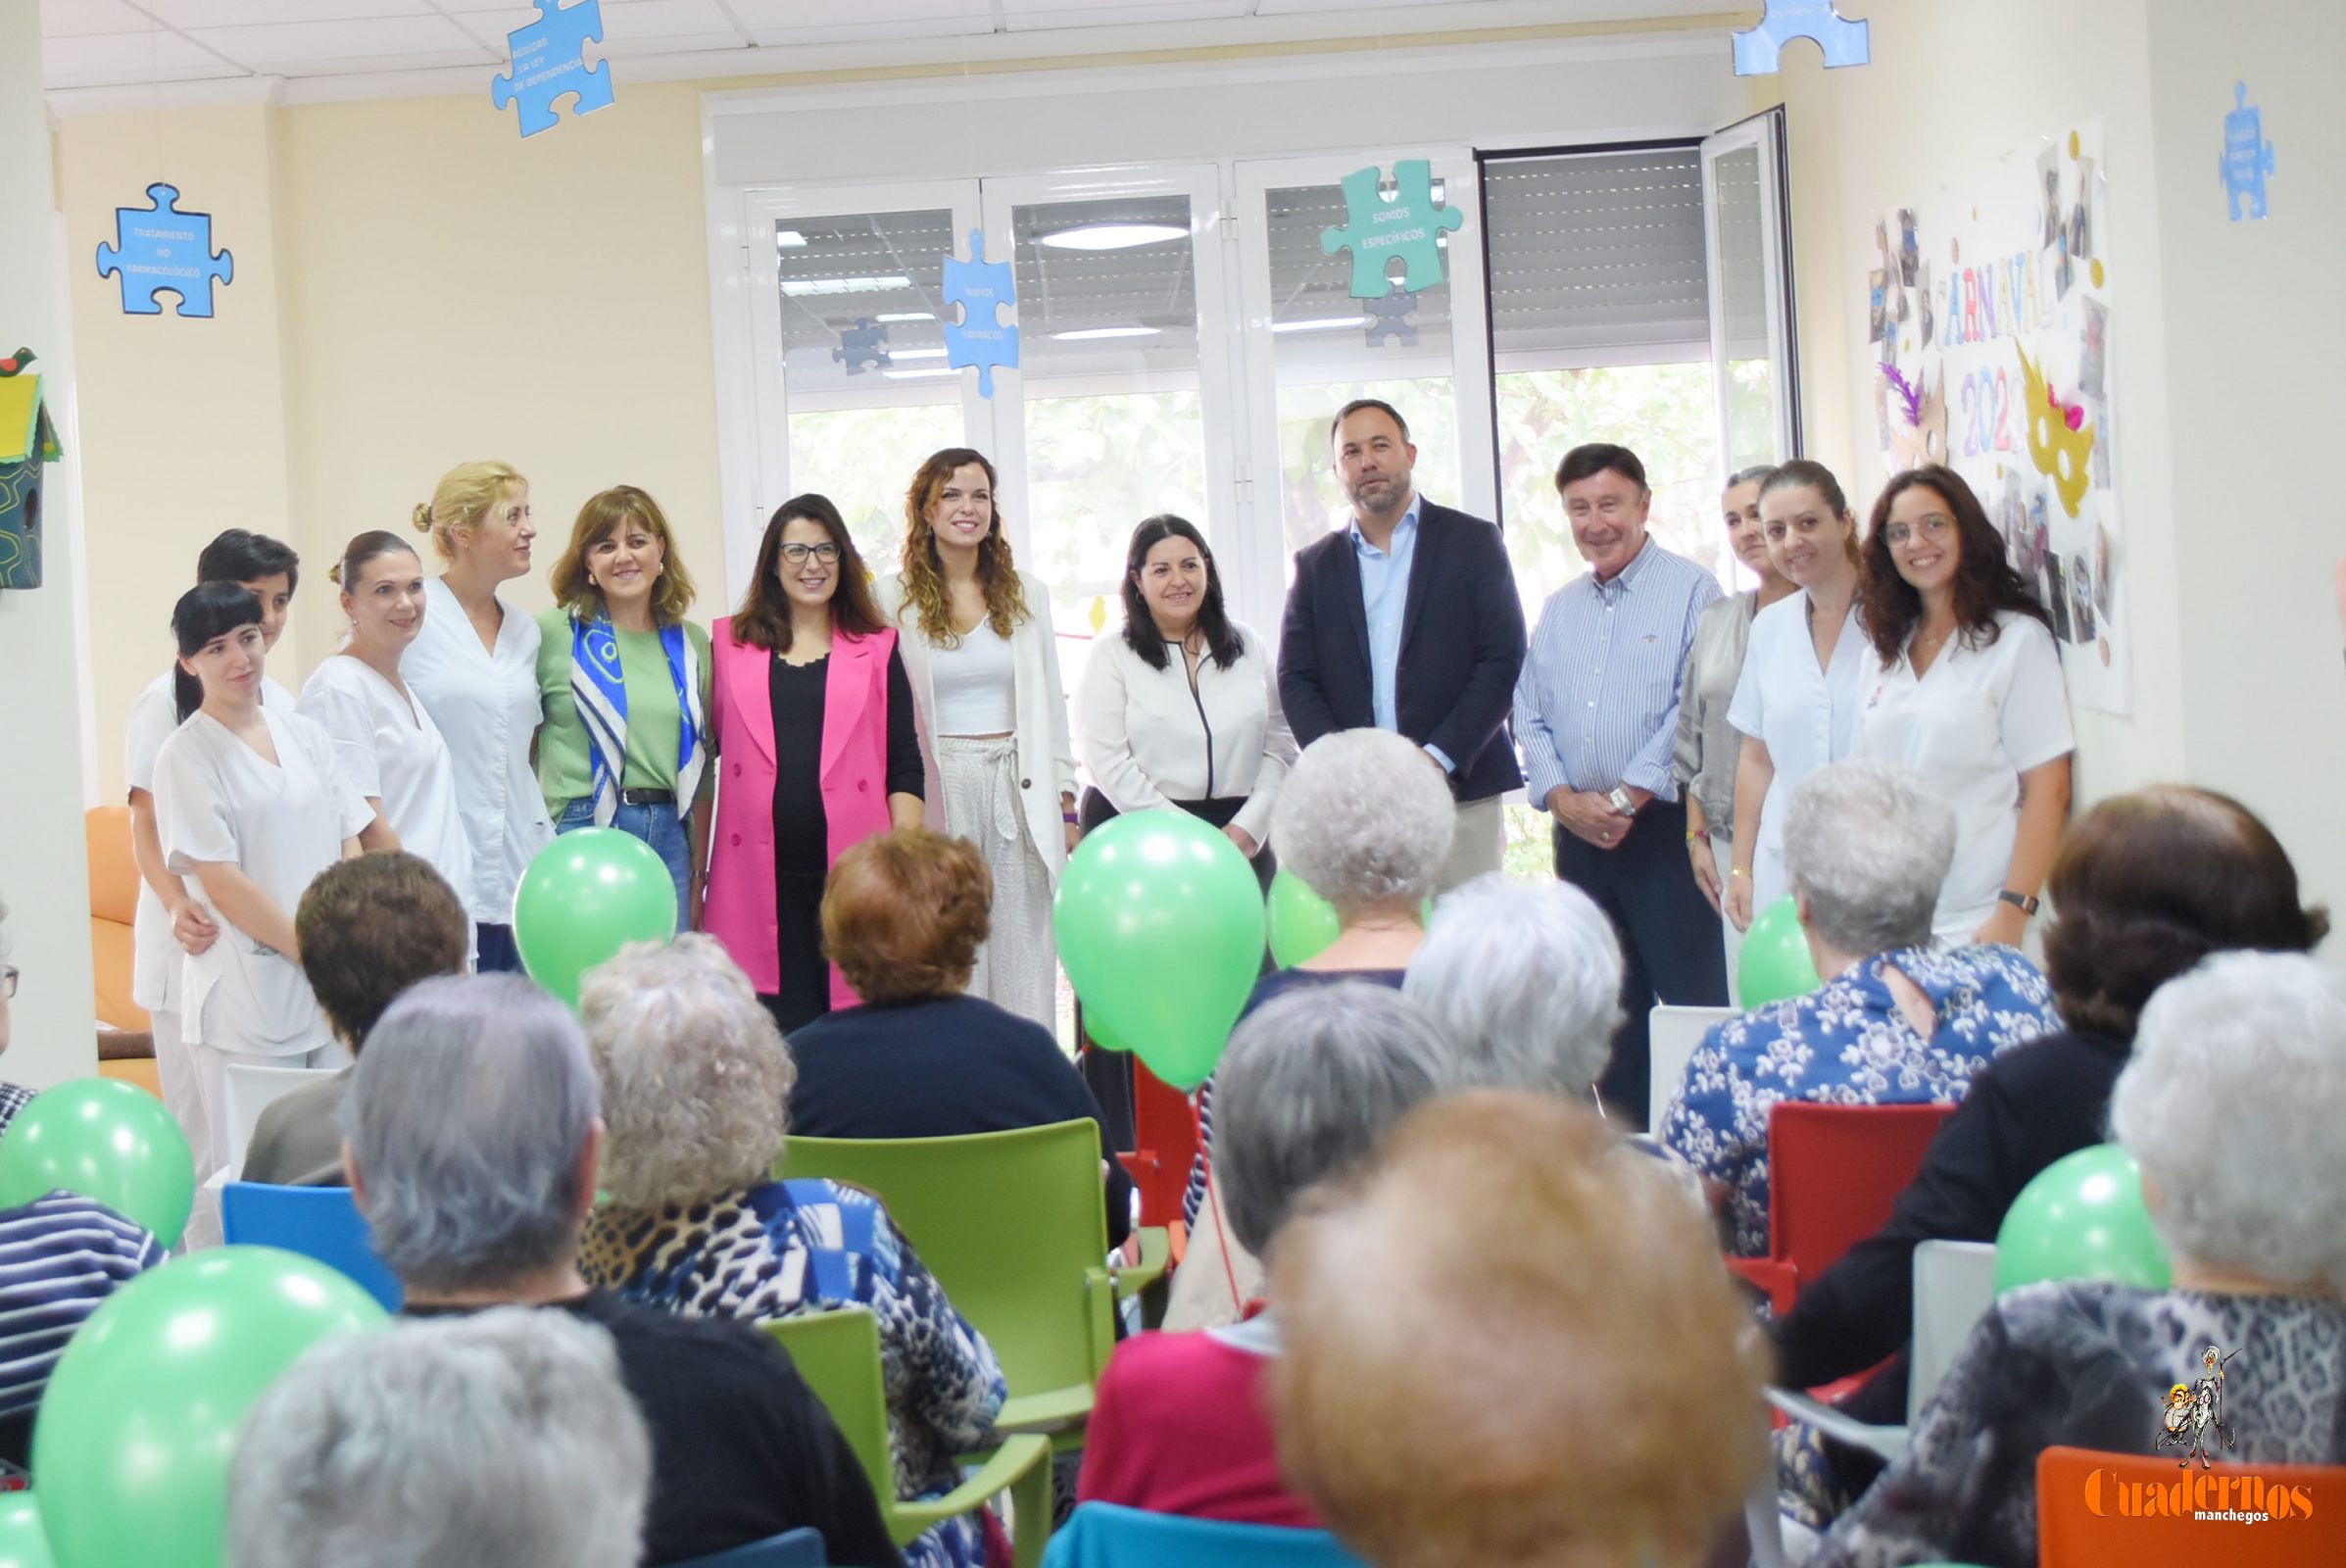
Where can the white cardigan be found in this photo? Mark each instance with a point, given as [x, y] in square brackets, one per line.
[1045, 757]
[1149, 741]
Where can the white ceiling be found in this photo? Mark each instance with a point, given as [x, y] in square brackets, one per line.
[392, 46]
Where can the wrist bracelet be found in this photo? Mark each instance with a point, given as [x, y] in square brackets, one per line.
[1694, 833]
[1069, 817]
[1737, 871]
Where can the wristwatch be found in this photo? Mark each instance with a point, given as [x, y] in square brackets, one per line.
[1623, 801]
[2026, 902]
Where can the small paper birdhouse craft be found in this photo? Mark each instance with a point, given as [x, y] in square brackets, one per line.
[27, 441]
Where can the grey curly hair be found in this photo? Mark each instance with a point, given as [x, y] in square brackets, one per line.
[1364, 818]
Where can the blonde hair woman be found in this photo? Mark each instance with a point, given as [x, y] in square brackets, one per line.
[624, 681]
[978, 645]
[473, 665]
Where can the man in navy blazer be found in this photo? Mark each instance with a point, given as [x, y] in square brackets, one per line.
[1408, 620]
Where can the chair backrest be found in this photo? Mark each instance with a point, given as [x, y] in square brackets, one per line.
[1164, 1127]
[2096, 1510]
[1672, 1034]
[1007, 1222]
[1954, 1285]
[318, 1222]
[248, 1091]
[793, 1548]
[112, 911]
[1103, 1534]
[838, 1355]
[1833, 1172]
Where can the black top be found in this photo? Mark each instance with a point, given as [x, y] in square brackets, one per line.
[797, 692]
[941, 1067]
[740, 1450]
[2028, 1108]
[1462, 646]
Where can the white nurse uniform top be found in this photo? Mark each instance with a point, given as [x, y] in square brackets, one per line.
[1977, 719]
[281, 823]
[388, 748]
[1804, 713]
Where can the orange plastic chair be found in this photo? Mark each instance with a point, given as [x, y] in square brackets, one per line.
[1833, 1174]
[2094, 1510]
[112, 908]
[1165, 1129]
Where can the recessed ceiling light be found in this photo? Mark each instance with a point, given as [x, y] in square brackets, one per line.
[1089, 333]
[916, 354]
[843, 285]
[1318, 323]
[788, 239]
[1112, 236]
[906, 316]
[917, 376]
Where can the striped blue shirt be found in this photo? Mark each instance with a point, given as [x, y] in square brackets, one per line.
[1597, 704]
[60, 1256]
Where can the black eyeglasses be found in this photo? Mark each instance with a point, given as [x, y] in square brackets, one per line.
[797, 554]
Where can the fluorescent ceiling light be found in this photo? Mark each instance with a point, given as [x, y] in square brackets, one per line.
[1112, 236]
[915, 376]
[843, 285]
[788, 239]
[906, 316]
[1318, 323]
[916, 354]
[1088, 333]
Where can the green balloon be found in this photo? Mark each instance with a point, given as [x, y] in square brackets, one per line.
[140, 1418]
[1302, 923]
[2082, 1218]
[24, 1543]
[583, 898]
[1160, 925]
[1775, 961]
[105, 1140]
[1103, 1035]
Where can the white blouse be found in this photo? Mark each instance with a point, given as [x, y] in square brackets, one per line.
[217, 800]
[976, 684]
[1976, 720]
[486, 706]
[1803, 713]
[388, 748]
[155, 952]
[1151, 739]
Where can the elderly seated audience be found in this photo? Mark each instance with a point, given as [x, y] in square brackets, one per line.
[13, 1096]
[2145, 886]
[1504, 1349]
[2231, 1103]
[1866, 849]
[1524, 980]
[902, 918]
[503, 1439]
[474, 1128]
[696, 1080]
[369, 929]
[1309, 1081]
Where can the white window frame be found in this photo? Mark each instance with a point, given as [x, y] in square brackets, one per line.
[1763, 132]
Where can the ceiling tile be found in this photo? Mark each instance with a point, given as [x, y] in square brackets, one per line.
[77, 18]
[276, 12]
[788, 21]
[402, 38]
[631, 20]
[690, 43]
[1031, 16]
[110, 59]
[369, 64]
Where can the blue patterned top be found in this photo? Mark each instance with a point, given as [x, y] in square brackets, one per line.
[1847, 1044]
[784, 1248]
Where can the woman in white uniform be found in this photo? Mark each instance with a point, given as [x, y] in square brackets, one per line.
[170, 922]
[385, 743]
[250, 807]
[473, 665]
[1795, 703]
[977, 643]
[1962, 684]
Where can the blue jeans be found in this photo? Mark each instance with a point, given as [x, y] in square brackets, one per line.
[657, 825]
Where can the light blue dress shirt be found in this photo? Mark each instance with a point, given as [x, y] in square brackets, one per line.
[1385, 601]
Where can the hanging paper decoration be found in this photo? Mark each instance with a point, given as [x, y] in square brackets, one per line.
[2247, 155]
[549, 62]
[983, 289]
[1760, 51]
[161, 250]
[1406, 225]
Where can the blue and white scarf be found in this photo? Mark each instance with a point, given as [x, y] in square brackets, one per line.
[600, 689]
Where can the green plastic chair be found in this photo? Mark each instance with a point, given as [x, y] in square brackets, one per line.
[838, 1353]
[1012, 1226]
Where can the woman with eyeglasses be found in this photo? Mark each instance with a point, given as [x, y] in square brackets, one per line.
[1962, 683]
[811, 718]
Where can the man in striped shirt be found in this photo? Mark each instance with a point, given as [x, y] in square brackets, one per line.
[1596, 713]
[60, 1256]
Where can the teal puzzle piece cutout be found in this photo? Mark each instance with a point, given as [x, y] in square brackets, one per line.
[550, 63]
[1760, 51]
[161, 248]
[2247, 155]
[982, 288]
[1409, 226]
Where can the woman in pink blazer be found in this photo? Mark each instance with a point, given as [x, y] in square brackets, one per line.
[813, 719]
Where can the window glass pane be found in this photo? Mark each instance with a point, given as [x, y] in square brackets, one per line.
[1750, 382]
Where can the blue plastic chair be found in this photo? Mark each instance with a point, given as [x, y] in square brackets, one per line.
[793, 1548]
[318, 1222]
[1101, 1535]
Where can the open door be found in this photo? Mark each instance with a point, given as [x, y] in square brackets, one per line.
[1754, 354]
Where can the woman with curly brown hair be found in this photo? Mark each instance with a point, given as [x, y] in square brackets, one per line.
[1962, 684]
[976, 637]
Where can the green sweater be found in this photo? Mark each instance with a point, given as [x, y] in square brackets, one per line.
[651, 716]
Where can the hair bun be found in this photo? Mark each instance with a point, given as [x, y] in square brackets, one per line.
[421, 517]
[334, 573]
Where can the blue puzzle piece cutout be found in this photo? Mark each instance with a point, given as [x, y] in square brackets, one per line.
[865, 344]
[2247, 155]
[161, 248]
[1760, 51]
[982, 288]
[550, 63]
[1389, 317]
[1409, 226]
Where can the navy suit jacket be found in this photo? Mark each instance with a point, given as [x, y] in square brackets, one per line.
[1462, 643]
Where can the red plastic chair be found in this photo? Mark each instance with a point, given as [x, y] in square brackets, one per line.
[2094, 1510]
[1833, 1174]
[1165, 1129]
